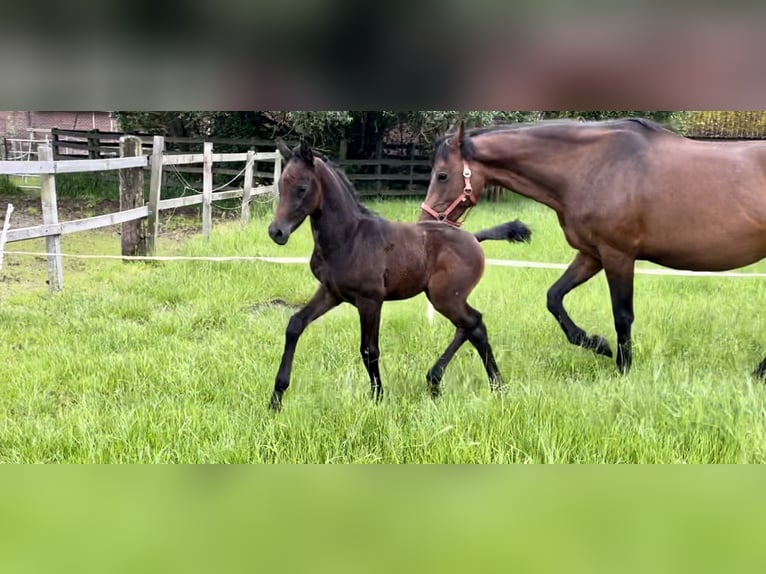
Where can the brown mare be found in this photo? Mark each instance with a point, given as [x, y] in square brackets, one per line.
[364, 259]
[623, 190]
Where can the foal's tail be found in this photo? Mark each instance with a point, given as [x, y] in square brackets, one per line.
[515, 231]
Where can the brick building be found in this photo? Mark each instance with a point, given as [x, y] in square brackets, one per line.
[26, 124]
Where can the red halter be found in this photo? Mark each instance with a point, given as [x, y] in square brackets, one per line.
[467, 195]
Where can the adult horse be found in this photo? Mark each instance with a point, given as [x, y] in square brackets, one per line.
[364, 259]
[623, 190]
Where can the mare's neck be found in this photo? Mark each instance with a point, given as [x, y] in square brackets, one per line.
[336, 220]
[536, 165]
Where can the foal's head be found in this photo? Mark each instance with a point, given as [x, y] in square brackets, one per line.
[300, 193]
[455, 186]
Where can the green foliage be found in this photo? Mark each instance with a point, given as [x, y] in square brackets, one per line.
[659, 116]
[362, 131]
[722, 123]
[7, 186]
[98, 185]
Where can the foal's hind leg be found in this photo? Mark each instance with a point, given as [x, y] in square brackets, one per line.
[435, 374]
[320, 303]
[579, 271]
[470, 325]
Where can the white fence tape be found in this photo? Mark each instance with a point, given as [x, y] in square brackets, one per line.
[304, 260]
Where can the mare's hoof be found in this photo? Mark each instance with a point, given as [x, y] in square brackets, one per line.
[760, 372]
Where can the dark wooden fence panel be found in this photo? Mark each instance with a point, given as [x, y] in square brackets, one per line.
[400, 169]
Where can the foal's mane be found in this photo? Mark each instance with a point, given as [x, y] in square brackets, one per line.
[561, 126]
[346, 185]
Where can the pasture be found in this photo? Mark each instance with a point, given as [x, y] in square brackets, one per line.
[175, 362]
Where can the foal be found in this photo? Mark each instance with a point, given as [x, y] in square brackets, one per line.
[364, 259]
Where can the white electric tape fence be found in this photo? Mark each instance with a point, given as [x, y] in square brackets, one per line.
[305, 260]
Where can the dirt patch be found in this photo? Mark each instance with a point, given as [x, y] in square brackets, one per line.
[273, 304]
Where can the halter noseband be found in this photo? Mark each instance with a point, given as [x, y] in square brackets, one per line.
[467, 195]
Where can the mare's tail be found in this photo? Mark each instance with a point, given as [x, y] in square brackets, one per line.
[515, 231]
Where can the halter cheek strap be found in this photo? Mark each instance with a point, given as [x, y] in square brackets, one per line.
[467, 195]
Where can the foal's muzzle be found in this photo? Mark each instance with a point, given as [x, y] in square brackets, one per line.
[279, 233]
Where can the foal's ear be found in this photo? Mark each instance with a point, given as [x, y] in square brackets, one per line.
[306, 153]
[286, 152]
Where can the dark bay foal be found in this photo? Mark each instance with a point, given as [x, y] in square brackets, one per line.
[364, 259]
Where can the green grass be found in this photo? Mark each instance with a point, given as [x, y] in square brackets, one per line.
[175, 362]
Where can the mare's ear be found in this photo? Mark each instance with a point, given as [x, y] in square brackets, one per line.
[284, 150]
[306, 153]
[455, 136]
[460, 135]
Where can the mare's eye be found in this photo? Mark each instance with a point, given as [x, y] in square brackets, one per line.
[300, 190]
[442, 176]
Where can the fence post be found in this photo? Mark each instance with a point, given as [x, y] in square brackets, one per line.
[343, 151]
[131, 196]
[277, 173]
[379, 166]
[93, 141]
[411, 155]
[247, 188]
[207, 189]
[55, 143]
[51, 217]
[4, 232]
[155, 185]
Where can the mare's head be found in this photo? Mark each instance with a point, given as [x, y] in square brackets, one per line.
[300, 193]
[455, 186]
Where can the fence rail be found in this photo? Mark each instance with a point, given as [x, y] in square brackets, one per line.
[131, 167]
[400, 169]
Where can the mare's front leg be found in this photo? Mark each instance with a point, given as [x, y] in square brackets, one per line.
[320, 303]
[579, 271]
[369, 318]
[620, 271]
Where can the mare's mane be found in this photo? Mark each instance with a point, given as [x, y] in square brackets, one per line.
[553, 127]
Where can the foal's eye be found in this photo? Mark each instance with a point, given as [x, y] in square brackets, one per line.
[442, 176]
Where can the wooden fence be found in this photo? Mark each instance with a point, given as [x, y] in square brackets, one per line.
[139, 221]
[399, 170]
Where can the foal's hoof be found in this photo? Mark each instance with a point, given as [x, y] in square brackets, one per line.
[275, 405]
[598, 345]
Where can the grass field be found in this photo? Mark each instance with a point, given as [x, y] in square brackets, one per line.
[175, 362]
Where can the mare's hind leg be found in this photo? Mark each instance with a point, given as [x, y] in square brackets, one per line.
[579, 271]
[620, 270]
[369, 317]
[320, 303]
[470, 322]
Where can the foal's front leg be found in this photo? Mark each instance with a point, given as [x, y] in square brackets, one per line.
[320, 303]
[369, 318]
